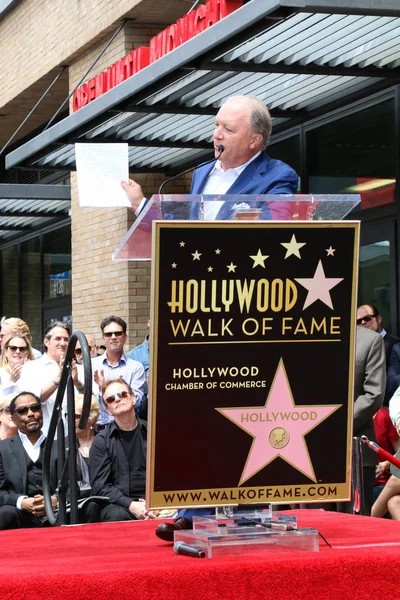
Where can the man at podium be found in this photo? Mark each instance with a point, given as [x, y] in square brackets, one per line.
[242, 131]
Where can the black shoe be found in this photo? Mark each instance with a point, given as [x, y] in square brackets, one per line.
[165, 531]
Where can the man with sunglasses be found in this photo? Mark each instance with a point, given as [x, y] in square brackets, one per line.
[114, 364]
[117, 460]
[368, 316]
[21, 457]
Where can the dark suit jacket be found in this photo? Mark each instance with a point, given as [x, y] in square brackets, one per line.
[13, 471]
[264, 175]
[369, 386]
[389, 341]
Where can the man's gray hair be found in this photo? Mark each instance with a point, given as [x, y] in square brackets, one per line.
[260, 119]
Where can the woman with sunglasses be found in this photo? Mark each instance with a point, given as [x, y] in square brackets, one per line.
[7, 426]
[17, 351]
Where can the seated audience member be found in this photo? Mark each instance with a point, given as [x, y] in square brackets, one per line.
[16, 352]
[84, 439]
[388, 439]
[42, 377]
[21, 456]
[89, 511]
[368, 316]
[117, 460]
[113, 364]
[13, 325]
[100, 349]
[388, 500]
[7, 426]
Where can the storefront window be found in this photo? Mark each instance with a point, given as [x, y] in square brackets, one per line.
[31, 297]
[374, 278]
[9, 281]
[355, 154]
[287, 150]
[57, 263]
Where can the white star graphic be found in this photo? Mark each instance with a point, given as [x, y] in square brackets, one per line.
[330, 251]
[196, 255]
[293, 247]
[218, 251]
[318, 287]
[259, 259]
[231, 268]
[174, 265]
[182, 244]
[210, 269]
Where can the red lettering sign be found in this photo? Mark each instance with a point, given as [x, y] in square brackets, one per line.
[170, 38]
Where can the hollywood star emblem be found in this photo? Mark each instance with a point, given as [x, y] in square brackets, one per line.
[278, 428]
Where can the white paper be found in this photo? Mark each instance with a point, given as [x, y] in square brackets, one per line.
[100, 168]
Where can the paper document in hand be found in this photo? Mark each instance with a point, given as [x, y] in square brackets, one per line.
[100, 169]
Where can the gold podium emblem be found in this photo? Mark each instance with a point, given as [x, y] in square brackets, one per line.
[279, 437]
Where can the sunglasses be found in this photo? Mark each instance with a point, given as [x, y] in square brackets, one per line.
[112, 398]
[6, 409]
[366, 319]
[78, 351]
[23, 410]
[15, 348]
[108, 334]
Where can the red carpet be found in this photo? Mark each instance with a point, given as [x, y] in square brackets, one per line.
[126, 561]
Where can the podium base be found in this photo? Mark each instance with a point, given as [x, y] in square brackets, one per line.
[246, 533]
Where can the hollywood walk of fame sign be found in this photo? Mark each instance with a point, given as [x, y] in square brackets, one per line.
[252, 362]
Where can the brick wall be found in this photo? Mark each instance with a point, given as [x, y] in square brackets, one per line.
[50, 33]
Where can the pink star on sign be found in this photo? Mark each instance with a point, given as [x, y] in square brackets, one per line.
[278, 428]
[318, 287]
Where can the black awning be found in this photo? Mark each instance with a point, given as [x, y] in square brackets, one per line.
[301, 57]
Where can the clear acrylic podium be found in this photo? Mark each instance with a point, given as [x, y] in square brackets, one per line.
[231, 530]
[136, 244]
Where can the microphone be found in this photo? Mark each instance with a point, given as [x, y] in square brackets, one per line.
[185, 550]
[220, 150]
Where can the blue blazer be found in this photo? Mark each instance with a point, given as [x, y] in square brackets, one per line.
[264, 175]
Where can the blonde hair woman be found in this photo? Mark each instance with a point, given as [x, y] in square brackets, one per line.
[16, 326]
[16, 351]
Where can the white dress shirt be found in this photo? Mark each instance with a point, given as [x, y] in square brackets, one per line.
[219, 182]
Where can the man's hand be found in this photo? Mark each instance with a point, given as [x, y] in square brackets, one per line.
[138, 509]
[134, 193]
[34, 505]
[98, 376]
[38, 506]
